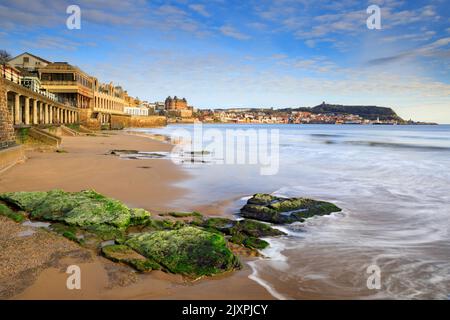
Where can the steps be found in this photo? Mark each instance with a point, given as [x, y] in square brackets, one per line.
[68, 131]
[45, 137]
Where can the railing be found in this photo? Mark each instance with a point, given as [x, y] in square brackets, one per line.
[10, 76]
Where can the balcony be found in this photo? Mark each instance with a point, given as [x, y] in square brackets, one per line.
[59, 83]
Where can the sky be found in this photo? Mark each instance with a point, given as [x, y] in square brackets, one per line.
[250, 53]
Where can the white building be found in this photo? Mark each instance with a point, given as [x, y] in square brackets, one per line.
[137, 111]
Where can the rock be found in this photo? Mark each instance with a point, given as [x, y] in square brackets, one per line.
[124, 254]
[7, 212]
[248, 241]
[265, 207]
[26, 201]
[244, 232]
[82, 209]
[256, 229]
[219, 224]
[139, 216]
[189, 251]
[165, 224]
[185, 214]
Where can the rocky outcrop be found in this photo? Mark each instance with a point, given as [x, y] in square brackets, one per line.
[189, 251]
[265, 207]
[81, 209]
[185, 243]
[137, 239]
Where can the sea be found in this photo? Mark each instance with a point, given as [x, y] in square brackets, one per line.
[392, 238]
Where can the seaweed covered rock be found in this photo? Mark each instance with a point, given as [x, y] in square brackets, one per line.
[256, 229]
[139, 216]
[244, 232]
[26, 201]
[7, 212]
[124, 254]
[189, 251]
[265, 207]
[82, 209]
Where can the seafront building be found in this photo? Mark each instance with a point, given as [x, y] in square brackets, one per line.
[98, 105]
[137, 111]
[30, 104]
[178, 107]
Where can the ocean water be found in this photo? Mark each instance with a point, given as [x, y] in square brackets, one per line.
[393, 184]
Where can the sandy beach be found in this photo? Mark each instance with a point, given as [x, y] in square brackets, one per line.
[148, 184]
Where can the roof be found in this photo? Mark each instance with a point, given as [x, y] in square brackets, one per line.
[39, 58]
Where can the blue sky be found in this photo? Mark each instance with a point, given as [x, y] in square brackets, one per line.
[255, 53]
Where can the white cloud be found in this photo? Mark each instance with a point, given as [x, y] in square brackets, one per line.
[229, 31]
[200, 9]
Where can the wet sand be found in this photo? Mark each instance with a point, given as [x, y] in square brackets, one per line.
[147, 184]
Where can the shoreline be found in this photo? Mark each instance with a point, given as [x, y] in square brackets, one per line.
[149, 184]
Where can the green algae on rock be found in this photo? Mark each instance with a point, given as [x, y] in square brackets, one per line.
[266, 207]
[74, 208]
[26, 201]
[244, 232]
[139, 216]
[189, 251]
[185, 243]
[7, 212]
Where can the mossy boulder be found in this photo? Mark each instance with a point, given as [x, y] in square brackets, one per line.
[26, 201]
[244, 232]
[139, 216]
[164, 224]
[256, 229]
[265, 207]
[124, 254]
[189, 251]
[7, 212]
[82, 209]
[221, 224]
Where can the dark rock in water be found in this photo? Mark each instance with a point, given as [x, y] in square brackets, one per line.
[119, 152]
[265, 207]
[189, 251]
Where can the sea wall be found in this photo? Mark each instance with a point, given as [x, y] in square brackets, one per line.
[127, 121]
[10, 156]
[10, 153]
[90, 120]
[7, 137]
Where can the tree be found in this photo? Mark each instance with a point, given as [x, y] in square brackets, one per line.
[4, 57]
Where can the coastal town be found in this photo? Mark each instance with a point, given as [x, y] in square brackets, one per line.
[98, 105]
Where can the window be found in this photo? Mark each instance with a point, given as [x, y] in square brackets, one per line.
[26, 59]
